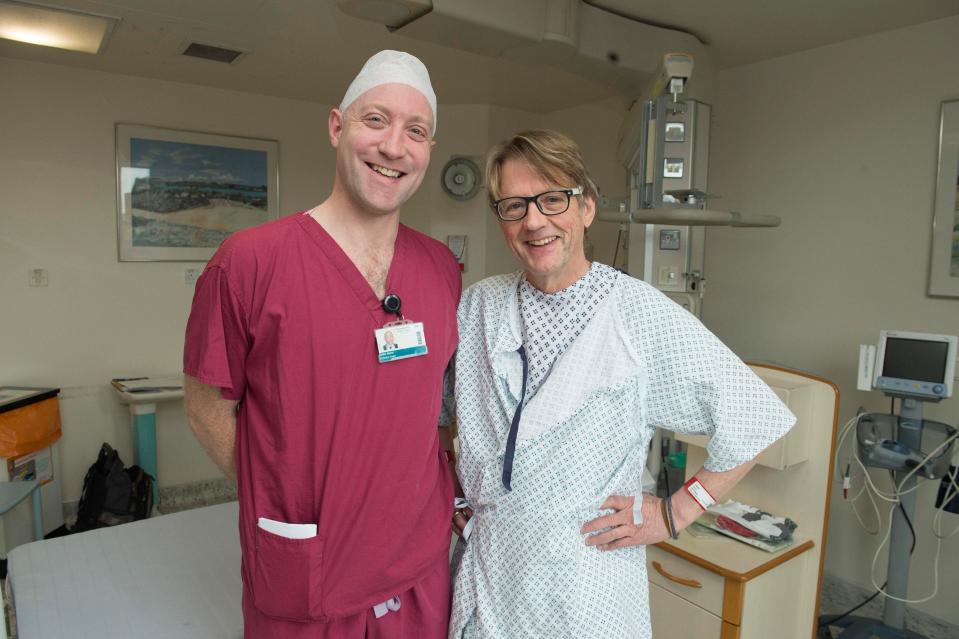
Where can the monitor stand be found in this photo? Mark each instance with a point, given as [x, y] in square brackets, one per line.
[893, 621]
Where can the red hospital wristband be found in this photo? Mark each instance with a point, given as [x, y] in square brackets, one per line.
[699, 493]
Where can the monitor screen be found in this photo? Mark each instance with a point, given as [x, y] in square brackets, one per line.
[915, 359]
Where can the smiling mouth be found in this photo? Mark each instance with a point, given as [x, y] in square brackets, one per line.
[543, 242]
[382, 170]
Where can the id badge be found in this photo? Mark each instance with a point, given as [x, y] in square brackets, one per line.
[400, 341]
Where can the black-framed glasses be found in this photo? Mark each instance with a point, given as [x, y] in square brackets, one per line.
[512, 209]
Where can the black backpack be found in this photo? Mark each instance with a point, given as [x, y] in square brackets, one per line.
[112, 494]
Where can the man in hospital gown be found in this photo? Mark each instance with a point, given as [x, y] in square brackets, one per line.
[562, 373]
[345, 493]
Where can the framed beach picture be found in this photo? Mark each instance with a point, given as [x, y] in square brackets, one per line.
[181, 193]
[944, 266]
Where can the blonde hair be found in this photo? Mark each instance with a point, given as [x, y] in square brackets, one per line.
[555, 156]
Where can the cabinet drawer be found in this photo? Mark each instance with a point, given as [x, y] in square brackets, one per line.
[687, 580]
[676, 618]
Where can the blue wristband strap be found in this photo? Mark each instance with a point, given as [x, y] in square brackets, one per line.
[669, 513]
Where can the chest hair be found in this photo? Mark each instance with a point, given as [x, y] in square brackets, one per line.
[374, 266]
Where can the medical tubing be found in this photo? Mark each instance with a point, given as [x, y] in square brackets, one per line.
[894, 498]
[935, 569]
[844, 432]
[935, 565]
[875, 508]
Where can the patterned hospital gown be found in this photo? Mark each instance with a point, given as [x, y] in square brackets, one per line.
[641, 361]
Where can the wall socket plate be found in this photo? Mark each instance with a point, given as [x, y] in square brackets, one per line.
[38, 277]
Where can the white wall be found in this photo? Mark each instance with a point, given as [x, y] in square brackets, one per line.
[461, 132]
[841, 143]
[503, 123]
[99, 318]
[595, 127]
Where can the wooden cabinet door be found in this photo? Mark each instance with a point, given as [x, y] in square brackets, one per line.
[675, 618]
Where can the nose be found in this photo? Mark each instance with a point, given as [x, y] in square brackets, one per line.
[534, 217]
[392, 143]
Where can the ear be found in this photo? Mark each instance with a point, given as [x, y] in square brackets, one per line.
[589, 210]
[335, 127]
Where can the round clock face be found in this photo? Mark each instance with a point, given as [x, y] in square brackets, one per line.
[461, 178]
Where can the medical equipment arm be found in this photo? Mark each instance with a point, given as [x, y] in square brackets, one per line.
[213, 420]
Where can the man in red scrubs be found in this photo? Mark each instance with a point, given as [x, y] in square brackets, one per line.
[345, 494]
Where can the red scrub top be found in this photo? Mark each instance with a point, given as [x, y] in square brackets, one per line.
[283, 322]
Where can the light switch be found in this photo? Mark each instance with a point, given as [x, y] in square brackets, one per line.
[668, 275]
[38, 277]
[457, 245]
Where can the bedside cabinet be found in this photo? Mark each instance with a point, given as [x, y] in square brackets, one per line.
[723, 589]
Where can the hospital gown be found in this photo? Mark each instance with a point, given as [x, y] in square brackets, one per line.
[639, 362]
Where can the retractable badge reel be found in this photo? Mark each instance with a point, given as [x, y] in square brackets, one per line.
[401, 338]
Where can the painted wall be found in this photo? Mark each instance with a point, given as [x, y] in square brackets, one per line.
[100, 318]
[842, 143]
[462, 132]
[595, 127]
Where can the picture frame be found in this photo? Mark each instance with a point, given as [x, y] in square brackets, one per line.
[944, 262]
[181, 193]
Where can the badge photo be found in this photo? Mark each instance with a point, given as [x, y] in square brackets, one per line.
[399, 341]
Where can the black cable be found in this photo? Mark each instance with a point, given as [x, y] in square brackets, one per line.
[911, 529]
[662, 457]
[904, 515]
[619, 240]
[832, 621]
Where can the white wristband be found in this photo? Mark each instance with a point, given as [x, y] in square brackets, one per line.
[699, 493]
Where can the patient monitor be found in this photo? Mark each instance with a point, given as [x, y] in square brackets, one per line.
[914, 368]
[920, 365]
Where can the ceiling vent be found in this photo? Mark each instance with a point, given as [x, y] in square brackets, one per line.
[211, 52]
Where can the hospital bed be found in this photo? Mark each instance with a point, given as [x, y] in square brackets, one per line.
[172, 576]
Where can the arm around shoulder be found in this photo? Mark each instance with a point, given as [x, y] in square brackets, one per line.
[213, 420]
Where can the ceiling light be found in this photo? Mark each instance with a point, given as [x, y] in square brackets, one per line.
[54, 27]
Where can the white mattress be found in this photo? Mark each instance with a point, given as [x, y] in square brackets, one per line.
[174, 576]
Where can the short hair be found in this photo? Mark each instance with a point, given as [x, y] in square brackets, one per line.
[555, 156]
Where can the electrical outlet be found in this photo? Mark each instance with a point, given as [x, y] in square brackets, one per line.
[38, 277]
[191, 275]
